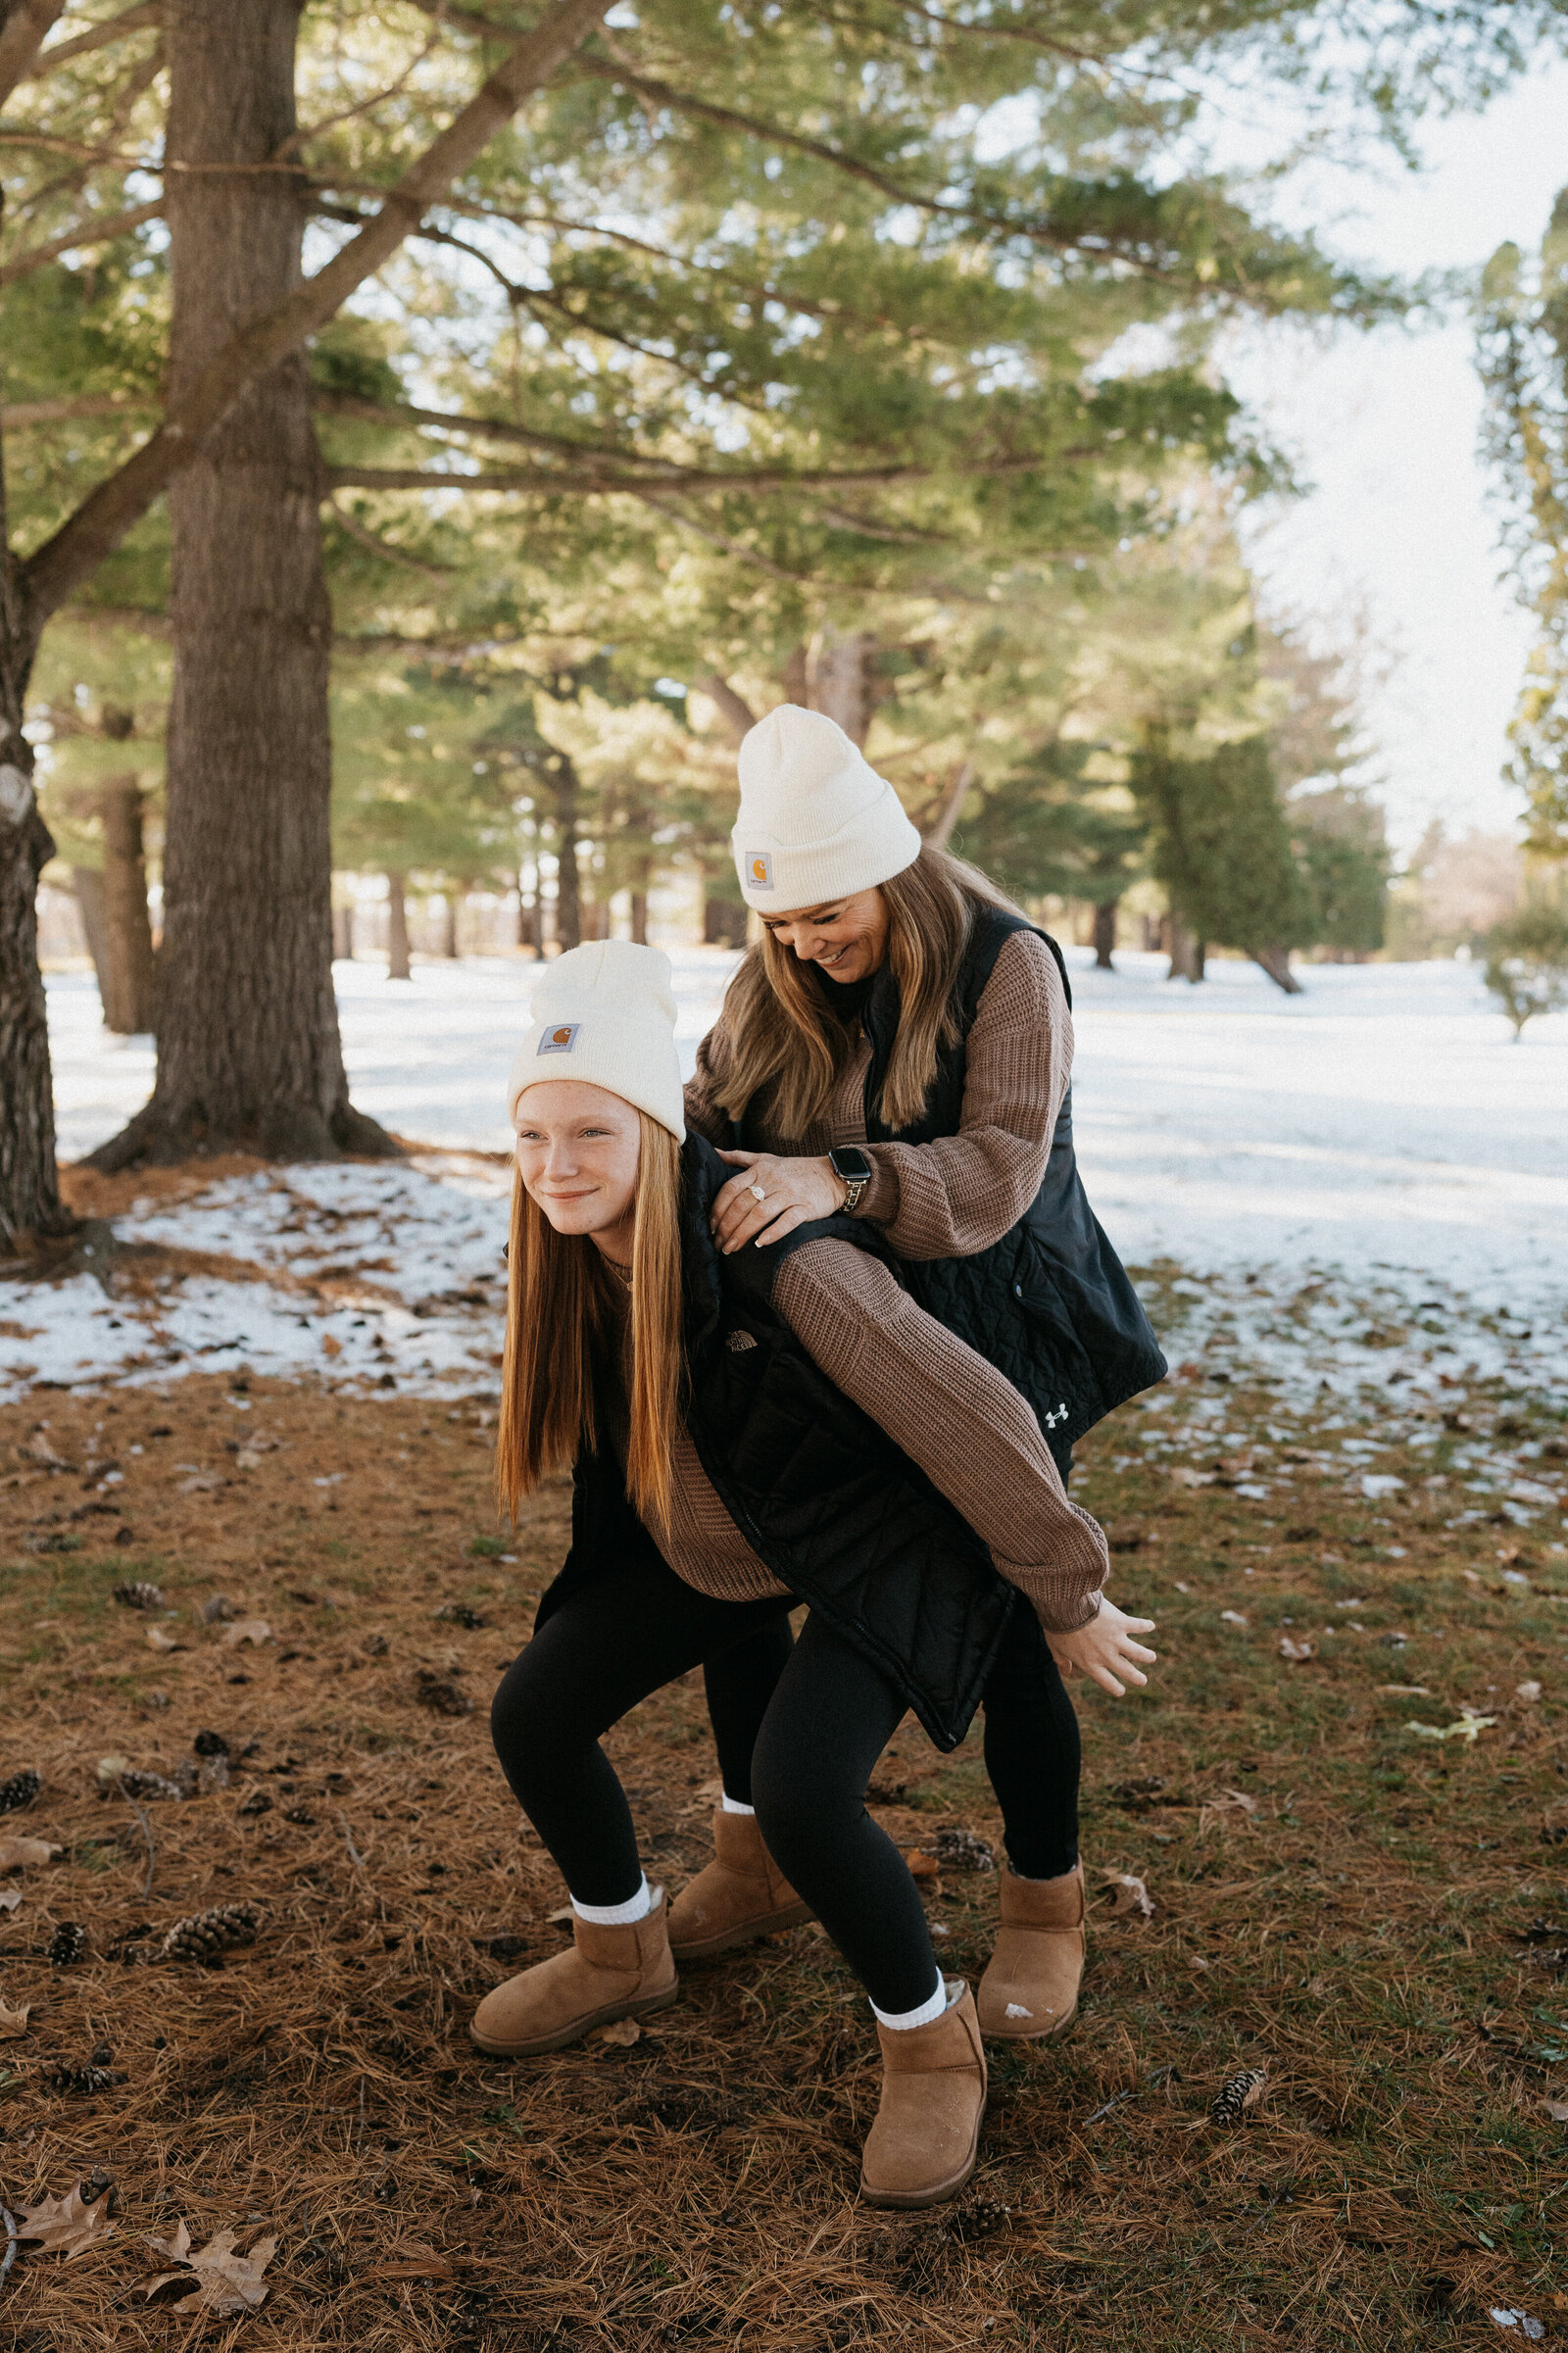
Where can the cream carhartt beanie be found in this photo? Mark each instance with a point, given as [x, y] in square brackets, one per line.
[816, 821]
[606, 1012]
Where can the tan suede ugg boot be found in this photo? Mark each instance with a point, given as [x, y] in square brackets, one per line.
[609, 1973]
[922, 2147]
[740, 1894]
[1030, 1986]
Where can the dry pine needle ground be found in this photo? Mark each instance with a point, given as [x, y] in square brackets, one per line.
[1338, 1901]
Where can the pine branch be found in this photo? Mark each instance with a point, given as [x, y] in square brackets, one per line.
[82, 234]
[64, 53]
[17, 415]
[102, 520]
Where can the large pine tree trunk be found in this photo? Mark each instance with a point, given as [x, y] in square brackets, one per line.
[248, 1048]
[29, 1189]
[131, 1008]
[1187, 952]
[1104, 935]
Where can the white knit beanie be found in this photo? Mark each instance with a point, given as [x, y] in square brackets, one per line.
[606, 1012]
[816, 821]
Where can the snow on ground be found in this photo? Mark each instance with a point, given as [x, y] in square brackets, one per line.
[1361, 1191]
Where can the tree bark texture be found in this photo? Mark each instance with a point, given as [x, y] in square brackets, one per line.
[1104, 935]
[841, 679]
[397, 927]
[131, 1008]
[343, 935]
[569, 889]
[450, 905]
[248, 1048]
[29, 1187]
[639, 918]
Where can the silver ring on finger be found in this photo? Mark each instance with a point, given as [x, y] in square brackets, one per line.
[756, 1192]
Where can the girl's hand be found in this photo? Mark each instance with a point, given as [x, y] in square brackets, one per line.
[795, 1191]
[1104, 1650]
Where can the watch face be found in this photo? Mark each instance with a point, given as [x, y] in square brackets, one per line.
[851, 1163]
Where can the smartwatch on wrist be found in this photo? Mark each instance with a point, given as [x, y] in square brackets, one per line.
[854, 1172]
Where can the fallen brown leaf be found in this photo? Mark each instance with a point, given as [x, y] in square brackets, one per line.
[1131, 1894]
[247, 1630]
[224, 2282]
[1296, 1651]
[14, 1852]
[13, 2023]
[65, 2226]
[331, 1347]
[623, 2031]
[10, 1900]
[1557, 2110]
[201, 1483]
[1404, 1690]
[922, 1866]
[157, 1640]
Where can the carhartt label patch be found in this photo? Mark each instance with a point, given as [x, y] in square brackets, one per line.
[760, 870]
[560, 1039]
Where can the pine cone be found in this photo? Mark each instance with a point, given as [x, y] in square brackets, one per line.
[67, 1944]
[137, 1781]
[82, 2079]
[258, 1802]
[977, 2218]
[19, 1790]
[210, 1743]
[206, 1934]
[440, 1693]
[961, 1850]
[1238, 2093]
[139, 1594]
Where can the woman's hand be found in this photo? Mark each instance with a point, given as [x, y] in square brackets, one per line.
[1105, 1648]
[794, 1193]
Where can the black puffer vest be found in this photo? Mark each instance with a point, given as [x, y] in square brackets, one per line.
[818, 1490]
[1050, 1305]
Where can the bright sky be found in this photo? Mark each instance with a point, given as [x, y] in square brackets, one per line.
[1385, 426]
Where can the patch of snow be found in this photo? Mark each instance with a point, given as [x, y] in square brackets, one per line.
[1354, 1196]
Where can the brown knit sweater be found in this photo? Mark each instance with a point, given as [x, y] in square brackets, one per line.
[970, 1430]
[958, 1195]
[973, 1434]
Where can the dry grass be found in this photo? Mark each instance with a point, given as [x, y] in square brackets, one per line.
[1357, 1933]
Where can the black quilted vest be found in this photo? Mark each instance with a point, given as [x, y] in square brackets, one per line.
[818, 1490]
[1050, 1305]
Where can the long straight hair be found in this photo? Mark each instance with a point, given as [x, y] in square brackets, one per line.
[782, 1034]
[558, 1319]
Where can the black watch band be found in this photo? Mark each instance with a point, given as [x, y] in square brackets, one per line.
[854, 1172]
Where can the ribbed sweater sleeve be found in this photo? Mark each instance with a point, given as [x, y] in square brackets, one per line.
[959, 1193]
[970, 1430]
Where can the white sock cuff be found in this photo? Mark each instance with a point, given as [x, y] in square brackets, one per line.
[733, 1806]
[933, 2007]
[617, 1915]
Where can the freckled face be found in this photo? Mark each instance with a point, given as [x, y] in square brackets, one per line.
[845, 938]
[577, 1153]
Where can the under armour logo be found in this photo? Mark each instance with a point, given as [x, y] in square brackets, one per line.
[1057, 1413]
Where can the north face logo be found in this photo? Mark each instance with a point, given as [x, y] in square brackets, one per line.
[760, 870]
[560, 1039]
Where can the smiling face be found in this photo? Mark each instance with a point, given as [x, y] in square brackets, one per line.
[845, 938]
[577, 1153]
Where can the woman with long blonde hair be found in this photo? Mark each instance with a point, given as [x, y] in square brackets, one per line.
[737, 1448]
[896, 1049]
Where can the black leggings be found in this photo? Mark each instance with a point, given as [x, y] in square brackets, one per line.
[1031, 1748]
[827, 1718]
